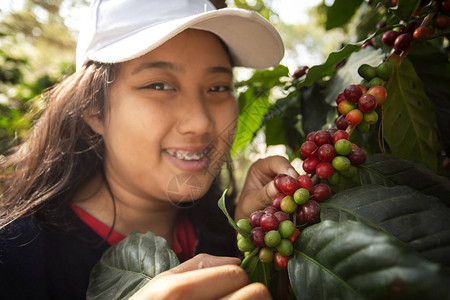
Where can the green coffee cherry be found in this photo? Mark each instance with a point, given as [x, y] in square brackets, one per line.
[376, 81]
[286, 229]
[343, 147]
[363, 127]
[385, 69]
[334, 179]
[367, 72]
[351, 172]
[341, 163]
[272, 238]
[285, 247]
[244, 225]
[370, 117]
[245, 245]
[301, 196]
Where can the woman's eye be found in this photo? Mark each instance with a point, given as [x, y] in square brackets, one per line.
[159, 86]
[220, 88]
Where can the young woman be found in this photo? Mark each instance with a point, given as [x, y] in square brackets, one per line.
[133, 141]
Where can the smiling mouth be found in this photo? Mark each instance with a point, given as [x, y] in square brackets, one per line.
[188, 156]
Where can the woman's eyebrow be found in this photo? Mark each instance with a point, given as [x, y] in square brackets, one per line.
[174, 67]
[219, 69]
[158, 65]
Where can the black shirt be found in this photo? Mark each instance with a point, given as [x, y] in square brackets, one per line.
[37, 262]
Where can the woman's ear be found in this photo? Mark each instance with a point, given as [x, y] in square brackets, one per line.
[94, 122]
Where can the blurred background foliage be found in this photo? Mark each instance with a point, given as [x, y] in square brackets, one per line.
[36, 51]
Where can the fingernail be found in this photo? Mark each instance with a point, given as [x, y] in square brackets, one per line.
[292, 172]
[272, 190]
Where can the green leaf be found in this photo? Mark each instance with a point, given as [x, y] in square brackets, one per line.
[341, 12]
[283, 123]
[251, 265]
[267, 78]
[275, 131]
[327, 68]
[349, 260]
[254, 103]
[260, 272]
[314, 110]
[128, 265]
[433, 67]
[409, 121]
[250, 118]
[389, 170]
[421, 221]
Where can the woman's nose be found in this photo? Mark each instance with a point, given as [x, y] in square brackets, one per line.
[194, 116]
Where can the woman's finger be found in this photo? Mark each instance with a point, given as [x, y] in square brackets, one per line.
[202, 261]
[259, 188]
[254, 291]
[271, 166]
[209, 283]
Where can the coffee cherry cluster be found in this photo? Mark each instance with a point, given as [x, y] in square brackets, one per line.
[402, 37]
[272, 231]
[326, 151]
[357, 106]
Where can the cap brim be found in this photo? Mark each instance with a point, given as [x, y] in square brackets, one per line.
[252, 41]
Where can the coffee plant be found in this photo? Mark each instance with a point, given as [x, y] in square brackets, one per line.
[368, 217]
[365, 141]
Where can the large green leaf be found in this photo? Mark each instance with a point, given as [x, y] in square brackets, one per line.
[341, 12]
[409, 121]
[421, 221]
[130, 264]
[433, 67]
[389, 170]
[350, 260]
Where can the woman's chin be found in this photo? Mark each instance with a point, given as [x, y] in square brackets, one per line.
[187, 187]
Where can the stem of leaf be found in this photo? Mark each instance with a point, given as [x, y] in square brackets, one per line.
[247, 259]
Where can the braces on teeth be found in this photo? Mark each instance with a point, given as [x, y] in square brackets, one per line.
[188, 155]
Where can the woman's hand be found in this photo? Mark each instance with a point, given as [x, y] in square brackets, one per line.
[203, 277]
[259, 188]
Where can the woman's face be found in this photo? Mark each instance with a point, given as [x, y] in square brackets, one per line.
[170, 118]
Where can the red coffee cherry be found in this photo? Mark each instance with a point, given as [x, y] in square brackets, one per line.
[389, 37]
[320, 192]
[403, 42]
[304, 181]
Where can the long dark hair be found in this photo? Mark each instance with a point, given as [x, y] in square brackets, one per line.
[61, 152]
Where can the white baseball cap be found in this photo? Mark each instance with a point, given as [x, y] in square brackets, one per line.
[120, 30]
